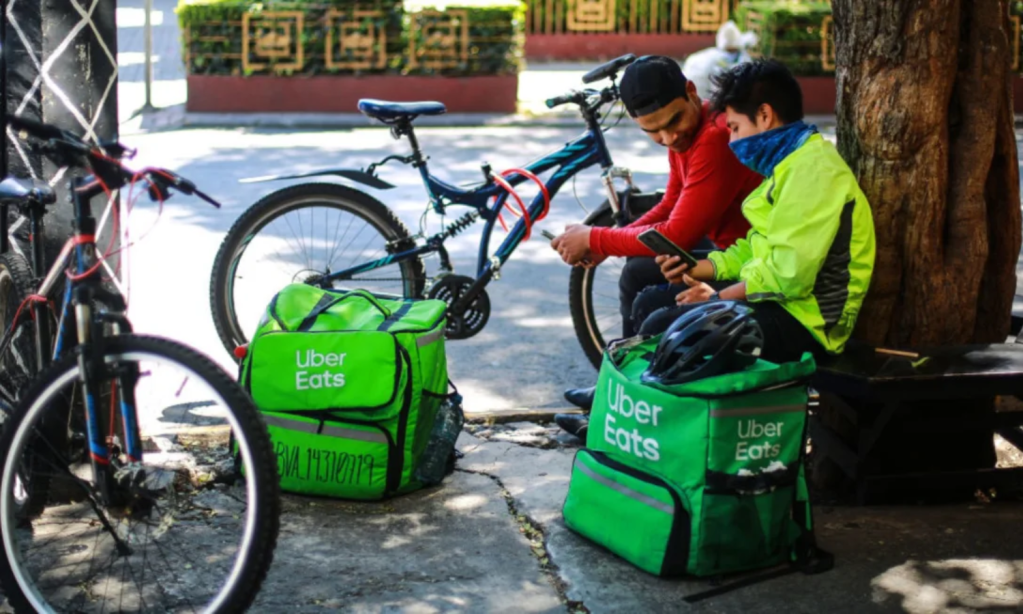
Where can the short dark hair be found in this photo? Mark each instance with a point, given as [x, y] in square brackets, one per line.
[748, 85]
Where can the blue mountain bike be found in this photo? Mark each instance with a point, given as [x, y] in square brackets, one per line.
[332, 235]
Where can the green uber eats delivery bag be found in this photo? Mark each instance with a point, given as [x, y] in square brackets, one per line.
[351, 386]
[703, 478]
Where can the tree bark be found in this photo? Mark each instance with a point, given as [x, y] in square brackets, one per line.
[925, 121]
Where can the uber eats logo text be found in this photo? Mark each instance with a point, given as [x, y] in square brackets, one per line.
[322, 371]
[752, 429]
[628, 410]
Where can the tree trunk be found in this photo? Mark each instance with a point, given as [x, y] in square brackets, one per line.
[925, 121]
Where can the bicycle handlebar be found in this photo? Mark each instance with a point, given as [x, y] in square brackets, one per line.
[557, 101]
[609, 69]
[583, 97]
[104, 160]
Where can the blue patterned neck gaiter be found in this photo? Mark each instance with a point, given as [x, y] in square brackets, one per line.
[762, 152]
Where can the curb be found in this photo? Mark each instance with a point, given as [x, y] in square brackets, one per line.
[176, 117]
[357, 120]
[518, 415]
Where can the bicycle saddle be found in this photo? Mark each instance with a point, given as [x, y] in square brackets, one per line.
[16, 191]
[384, 110]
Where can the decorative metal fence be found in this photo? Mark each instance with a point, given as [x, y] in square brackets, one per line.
[239, 38]
[626, 16]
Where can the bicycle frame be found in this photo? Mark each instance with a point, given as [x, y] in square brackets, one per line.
[79, 294]
[584, 152]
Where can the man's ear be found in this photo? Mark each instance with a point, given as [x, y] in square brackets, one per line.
[691, 92]
[766, 117]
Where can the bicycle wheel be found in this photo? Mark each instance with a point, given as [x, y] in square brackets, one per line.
[184, 531]
[18, 364]
[593, 293]
[296, 235]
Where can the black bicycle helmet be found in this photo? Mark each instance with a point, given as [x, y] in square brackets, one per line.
[719, 337]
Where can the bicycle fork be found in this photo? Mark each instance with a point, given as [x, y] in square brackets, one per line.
[619, 208]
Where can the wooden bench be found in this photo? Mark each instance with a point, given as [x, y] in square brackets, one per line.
[869, 387]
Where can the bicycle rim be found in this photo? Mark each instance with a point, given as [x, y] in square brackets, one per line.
[78, 521]
[601, 306]
[275, 253]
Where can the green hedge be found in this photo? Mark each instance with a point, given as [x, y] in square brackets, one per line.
[1016, 39]
[789, 31]
[212, 37]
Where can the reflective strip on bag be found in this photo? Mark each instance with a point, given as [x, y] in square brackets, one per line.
[328, 430]
[429, 338]
[292, 425]
[625, 490]
[756, 411]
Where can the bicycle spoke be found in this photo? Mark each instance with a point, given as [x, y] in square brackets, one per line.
[303, 252]
[301, 233]
[336, 243]
[355, 238]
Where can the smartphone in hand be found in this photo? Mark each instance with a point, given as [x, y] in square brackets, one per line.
[663, 246]
[550, 235]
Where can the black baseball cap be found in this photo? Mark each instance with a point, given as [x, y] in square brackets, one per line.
[650, 83]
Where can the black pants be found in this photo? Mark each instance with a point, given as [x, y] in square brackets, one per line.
[785, 339]
[639, 273]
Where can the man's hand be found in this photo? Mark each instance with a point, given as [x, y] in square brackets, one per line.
[698, 292]
[672, 268]
[574, 244]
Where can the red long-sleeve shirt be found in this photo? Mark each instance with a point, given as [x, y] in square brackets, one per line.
[704, 198]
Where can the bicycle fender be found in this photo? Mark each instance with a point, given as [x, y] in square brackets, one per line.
[348, 173]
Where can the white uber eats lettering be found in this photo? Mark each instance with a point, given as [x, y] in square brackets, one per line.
[751, 429]
[639, 411]
[325, 378]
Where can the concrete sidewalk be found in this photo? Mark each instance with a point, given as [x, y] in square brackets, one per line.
[492, 539]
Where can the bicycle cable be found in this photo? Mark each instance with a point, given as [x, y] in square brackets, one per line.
[621, 114]
[577, 199]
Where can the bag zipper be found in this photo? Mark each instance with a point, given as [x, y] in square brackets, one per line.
[406, 408]
[799, 381]
[433, 325]
[676, 555]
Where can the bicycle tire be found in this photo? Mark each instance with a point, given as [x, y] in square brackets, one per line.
[15, 270]
[283, 201]
[580, 302]
[581, 282]
[266, 504]
[16, 375]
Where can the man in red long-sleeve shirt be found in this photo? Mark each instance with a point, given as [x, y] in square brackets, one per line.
[702, 204]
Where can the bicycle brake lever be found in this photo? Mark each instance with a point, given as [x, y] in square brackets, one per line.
[207, 198]
[117, 150]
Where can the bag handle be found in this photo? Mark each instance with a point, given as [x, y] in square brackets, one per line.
[327, 301]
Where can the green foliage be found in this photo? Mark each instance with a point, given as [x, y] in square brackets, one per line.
[212, 36]
[494, 45]
[789, 31]
[1016, 34]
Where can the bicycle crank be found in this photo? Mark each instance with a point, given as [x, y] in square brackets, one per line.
[449, 289]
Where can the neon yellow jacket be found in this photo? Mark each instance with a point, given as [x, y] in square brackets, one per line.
[811, 243]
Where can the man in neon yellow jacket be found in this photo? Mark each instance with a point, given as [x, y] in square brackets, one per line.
[806, 263]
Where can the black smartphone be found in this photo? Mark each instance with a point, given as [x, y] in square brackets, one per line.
[661, 245]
